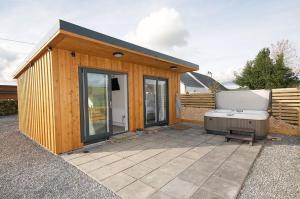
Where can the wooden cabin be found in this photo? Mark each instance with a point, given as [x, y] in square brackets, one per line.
[80, 86]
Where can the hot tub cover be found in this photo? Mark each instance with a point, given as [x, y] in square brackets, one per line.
[244, 100]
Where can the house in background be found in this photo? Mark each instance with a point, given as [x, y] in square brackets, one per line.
[192, 82]
[8, 92]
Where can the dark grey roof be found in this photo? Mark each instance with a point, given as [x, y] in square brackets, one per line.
[187, 80]
[207, 81]
[73, 28]
[117, 42]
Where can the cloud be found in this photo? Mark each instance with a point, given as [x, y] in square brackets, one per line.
[161, 30]
[8, 62]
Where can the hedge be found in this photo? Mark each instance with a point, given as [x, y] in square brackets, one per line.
[8, 107]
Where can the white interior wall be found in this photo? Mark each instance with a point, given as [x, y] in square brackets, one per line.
[182, 88]
[119, 103]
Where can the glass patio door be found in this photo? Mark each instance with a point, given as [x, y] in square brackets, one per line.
[162, 100]
[155, 101]
[96, 100]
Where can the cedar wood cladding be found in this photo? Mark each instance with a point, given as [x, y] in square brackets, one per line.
[49, 96]
[48, 92]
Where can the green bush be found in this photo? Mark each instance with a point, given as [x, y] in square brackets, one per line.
[8, 107]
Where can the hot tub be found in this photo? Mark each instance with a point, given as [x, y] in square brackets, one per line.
[239, 110]
[219, 121]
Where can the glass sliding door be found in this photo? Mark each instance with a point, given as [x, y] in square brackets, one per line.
[95, 105]
[150, 102]
[162, 100]
[155, 101]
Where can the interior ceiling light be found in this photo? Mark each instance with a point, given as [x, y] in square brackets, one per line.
[173, 67]
[118, 54]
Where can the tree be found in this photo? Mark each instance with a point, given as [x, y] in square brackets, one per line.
[265, 73]
[289, 52]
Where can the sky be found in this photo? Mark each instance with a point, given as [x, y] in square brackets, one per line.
[219, 36]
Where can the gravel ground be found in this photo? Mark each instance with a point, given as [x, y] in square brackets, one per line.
[276, 172]
[8, 123]
[29, 171]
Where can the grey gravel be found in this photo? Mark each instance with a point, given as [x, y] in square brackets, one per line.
[29, 171]
[276, 172]
[8, 123]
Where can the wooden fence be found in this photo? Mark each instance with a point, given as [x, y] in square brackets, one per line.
[286, 105]
[203, 100]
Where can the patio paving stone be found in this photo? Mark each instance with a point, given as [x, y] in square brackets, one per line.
[216, 140]
[170, 164]
[110, 159]
[198, 152]
[164, 157]
[158, 178]
[167, 172]
[220, 153]
[180, 189]
[221, 187]
[112, 169]
[81, 160]
[99, 154]
[232, 171]
[131, 151]
[118, 181]
[92, 165]
[177, 165]
[139, 157]
[160, 195]
[204, 194]
[246, 154]
[138, 171]
[195, 175]
[136, 190]
[70, 156]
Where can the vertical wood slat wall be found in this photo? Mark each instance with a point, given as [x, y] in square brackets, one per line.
[49, 96]
[35, 101]
[66, 87]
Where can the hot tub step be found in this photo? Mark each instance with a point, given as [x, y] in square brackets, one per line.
[242, 134]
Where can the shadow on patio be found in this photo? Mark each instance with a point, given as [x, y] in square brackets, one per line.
[169, 164]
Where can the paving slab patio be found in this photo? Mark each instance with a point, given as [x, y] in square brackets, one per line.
[169, 163]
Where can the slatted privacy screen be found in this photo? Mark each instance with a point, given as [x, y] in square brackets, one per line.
[286, 104]
[204, 100]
